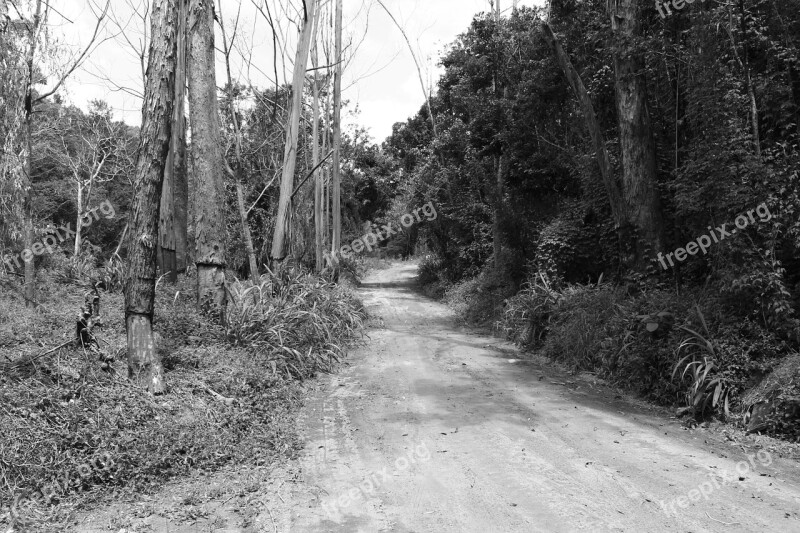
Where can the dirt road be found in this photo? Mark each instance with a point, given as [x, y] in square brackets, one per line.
[432, 429]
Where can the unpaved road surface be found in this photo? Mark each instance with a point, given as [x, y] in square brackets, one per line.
[431, 428]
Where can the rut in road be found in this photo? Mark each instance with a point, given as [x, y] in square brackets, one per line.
[433, 428]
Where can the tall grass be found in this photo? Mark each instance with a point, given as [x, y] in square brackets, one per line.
[303, 321]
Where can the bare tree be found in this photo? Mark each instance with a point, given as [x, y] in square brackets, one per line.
[36, 29]
[238, 163]
[144, 365]
[417, 64]
[92, 149]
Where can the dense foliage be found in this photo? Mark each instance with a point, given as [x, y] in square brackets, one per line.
[504, 98]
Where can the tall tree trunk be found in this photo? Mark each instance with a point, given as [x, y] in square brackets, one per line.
[27, 185]
[318, 229]
[326, 177]
[180, 186]
[207, 163]
[336, 195]
[636, 136]
[144, 365]
[168, 223]
[292, 131]
[181, 193]
[593, 127]
[238, 169]
[78, 225]
[497, 234]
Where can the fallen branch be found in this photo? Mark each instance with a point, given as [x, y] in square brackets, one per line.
[18, 363]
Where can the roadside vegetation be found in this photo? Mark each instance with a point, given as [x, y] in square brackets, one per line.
[553, 232]
[75, 430]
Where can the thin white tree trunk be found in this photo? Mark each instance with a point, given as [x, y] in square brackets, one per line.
[293, 126]
[337, 135]
[78, 225]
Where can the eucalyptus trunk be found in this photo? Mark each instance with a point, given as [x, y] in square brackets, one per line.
[144, 365]
[336, 193]
[207, 162]
[283, 219]
[640, 187]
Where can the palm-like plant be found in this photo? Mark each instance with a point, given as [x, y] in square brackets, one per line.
[707, 389]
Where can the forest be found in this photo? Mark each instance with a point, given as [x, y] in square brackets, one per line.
[610, 186]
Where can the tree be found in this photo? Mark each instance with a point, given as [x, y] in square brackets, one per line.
[207, 162]
[36, 30]
[93, 148]
[319, 235]
[144, 365]
[238, 161]
[640, 189]
[172, 214]
[336, 193]
[592, 125]
[283, 218]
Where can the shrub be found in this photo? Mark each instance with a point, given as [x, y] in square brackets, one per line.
[303, 322]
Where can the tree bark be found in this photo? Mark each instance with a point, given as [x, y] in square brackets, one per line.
[144, 365]
[592, 125]
[640, 185]
[336, 193]
[207, 163]
[283, 219]
[168, 224]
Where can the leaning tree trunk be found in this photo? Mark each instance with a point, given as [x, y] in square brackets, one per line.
[592, 125]
[636, 135]
[207, 164]
[292, 131]
[336, 193]
[144, 365]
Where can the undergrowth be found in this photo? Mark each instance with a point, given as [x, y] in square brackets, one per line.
[691, 350]
[74, 433]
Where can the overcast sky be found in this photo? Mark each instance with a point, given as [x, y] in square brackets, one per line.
[381, 77]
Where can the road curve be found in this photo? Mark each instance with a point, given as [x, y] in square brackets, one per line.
[431, 428]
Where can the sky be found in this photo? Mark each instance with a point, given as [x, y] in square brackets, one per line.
[380, 77]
